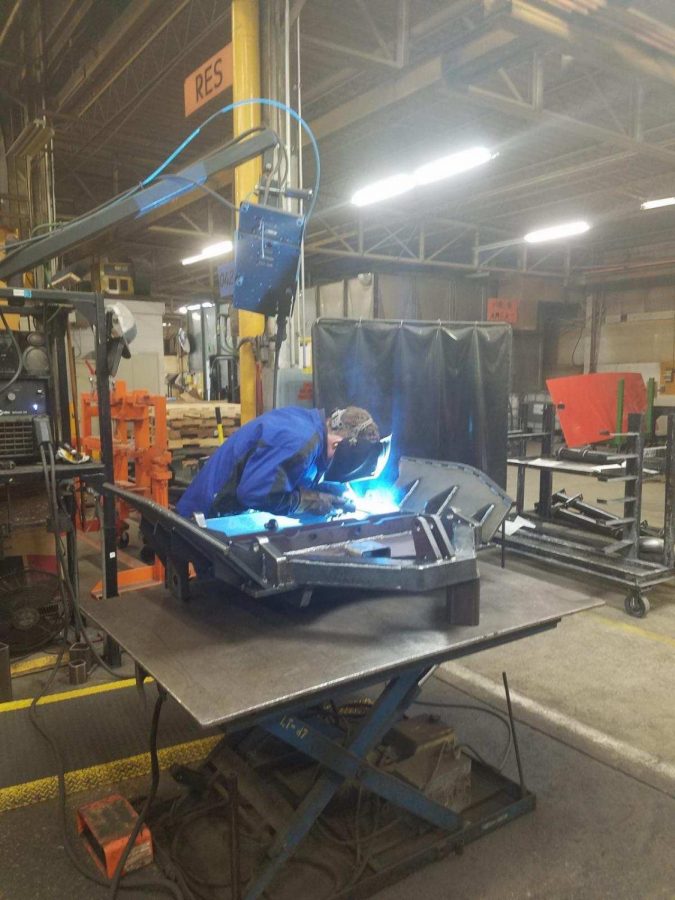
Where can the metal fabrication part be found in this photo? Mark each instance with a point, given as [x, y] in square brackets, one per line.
[448, 511]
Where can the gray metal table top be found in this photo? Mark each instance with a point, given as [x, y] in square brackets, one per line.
[227, 660]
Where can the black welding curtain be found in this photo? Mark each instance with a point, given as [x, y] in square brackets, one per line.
[441, 389]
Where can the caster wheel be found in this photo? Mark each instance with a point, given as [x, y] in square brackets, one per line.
[123, 540]
[636, 604]
[147, 555]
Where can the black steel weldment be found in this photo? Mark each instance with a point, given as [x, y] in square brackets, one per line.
[228, 662]
[448, 510]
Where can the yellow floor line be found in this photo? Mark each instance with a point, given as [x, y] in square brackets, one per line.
[88, 691]
[104, 774]
[36, 664]
[629, 628]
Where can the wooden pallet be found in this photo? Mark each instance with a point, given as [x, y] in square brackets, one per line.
[193, 423]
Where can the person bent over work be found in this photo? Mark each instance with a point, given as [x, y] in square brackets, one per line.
[277, 462]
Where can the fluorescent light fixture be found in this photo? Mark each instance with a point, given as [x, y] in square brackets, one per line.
[656, 204]
[556, 232]
[436, 170]
[208, 252]
[384, 189]
[454, 164]
[194, 307]
[182, 310]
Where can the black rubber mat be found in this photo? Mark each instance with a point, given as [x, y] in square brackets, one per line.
[90, 730]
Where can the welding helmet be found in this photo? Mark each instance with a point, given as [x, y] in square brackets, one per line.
[362, 453]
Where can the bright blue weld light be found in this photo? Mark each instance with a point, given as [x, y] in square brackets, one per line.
[374, 497]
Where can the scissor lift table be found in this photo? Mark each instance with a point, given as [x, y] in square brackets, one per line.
[237, 663]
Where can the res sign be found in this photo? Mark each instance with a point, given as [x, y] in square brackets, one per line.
[208, 80]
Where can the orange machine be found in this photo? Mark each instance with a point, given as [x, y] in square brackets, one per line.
[139, 437]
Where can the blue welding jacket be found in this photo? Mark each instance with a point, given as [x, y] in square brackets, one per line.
[261, 466]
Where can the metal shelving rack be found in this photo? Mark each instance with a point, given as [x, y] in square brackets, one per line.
[53, 308]
[617, 561]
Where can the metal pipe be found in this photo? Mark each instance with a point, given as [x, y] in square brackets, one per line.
[143, 202]
[8, 21]
[246, 84]
[303, 315]
[80, 651]
[77, 671]
[516, 748]
[620, 390]
[669, 506]
[232, 784]
[649, 418]
[5, 674]
[292, 320]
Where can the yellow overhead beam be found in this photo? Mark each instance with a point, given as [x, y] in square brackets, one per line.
[246, 84]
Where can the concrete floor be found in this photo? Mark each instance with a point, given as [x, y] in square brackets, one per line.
[594, 702]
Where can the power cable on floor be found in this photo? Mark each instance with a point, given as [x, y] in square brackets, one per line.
[481, 709]
[70, 600]
[115, 884]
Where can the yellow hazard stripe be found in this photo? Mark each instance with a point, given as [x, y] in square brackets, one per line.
[629, 628]
[104, 774]
[36, 664]
[89, 690]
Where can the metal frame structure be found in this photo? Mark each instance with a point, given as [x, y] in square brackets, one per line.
[448, 511]
[615, 560]
[54, 307]
[192, 650]
[471, 55]
[341, 764]
[135, 205]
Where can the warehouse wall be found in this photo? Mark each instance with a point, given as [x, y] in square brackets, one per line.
[384, 296]
[145, 369]
[639, 326]
[637, 332]
[455, 297]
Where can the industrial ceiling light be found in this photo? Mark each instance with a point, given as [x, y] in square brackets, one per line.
[436, 170]
[556, 232]
[384, 189]
[218, 249]
[194, 307]
[656, 204]
[454, 164]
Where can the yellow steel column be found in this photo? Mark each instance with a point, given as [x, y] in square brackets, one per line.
[246, 84]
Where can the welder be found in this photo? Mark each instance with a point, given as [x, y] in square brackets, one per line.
[288, 461]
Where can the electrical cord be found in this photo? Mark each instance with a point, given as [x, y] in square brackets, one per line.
[202, 187]
[278, 341]
[74, 604]
[219, 197]
[19, 355]
[481, 709]
[263, 101]
[115, 884]
[68, 593]
[87, 873]
[17, 245]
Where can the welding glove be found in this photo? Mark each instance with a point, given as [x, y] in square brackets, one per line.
[317, 503]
